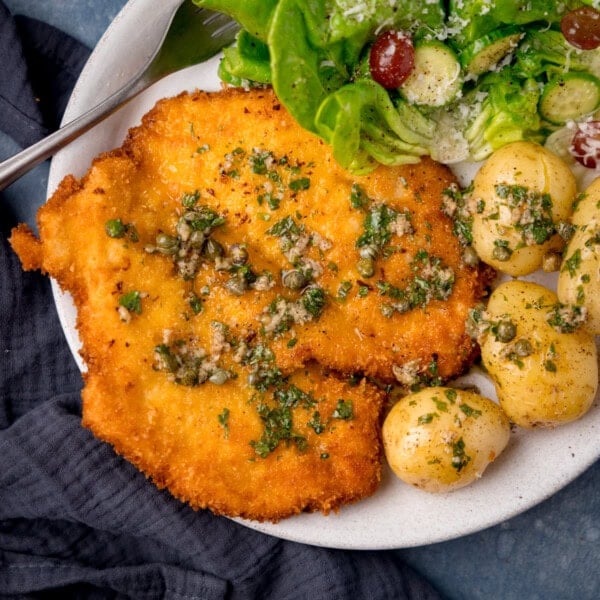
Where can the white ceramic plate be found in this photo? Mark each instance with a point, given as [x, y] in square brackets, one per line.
[535, 465]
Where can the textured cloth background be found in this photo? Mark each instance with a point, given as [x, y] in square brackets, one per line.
[77, 521]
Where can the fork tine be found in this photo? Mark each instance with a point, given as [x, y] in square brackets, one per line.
[220, 24]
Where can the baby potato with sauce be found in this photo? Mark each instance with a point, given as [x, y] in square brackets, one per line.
[579, 277]
[544, 366]
[520, 195]
[440, 439]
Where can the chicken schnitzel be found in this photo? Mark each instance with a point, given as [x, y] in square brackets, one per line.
[238, 293]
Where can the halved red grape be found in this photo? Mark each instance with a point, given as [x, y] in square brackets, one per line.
[581, 28]
[585, 146]
[392, 58]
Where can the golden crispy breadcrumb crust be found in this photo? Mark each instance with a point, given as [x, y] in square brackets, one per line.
[273, 312]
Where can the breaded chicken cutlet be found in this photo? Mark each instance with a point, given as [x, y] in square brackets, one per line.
[236, 290]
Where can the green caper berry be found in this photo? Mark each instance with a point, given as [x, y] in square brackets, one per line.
[293, 279]
[183, 229]
[114, 228]
[387, 310]
[470, 257]
[166, 244]
[368, 252]
[502, 253]
[212, 249]
[506, 331]
[566, 230]
[239, 255]
[236, 285]
[366, 267]
[219, 377]
[197, 239]
[188, 376]
[523, 348]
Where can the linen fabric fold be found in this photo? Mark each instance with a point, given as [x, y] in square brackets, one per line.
[76, 520]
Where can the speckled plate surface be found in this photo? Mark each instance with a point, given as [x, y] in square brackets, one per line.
[534, 466]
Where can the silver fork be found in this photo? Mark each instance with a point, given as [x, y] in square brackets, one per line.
[192, 35]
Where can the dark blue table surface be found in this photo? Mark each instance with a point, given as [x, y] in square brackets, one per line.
[551, 552]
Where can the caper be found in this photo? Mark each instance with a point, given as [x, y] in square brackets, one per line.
[212, 249]
[366, 267]
[368, 252]
[197, 239]
[293, 279]
[565, 230]
[188, 375]
[502, 253]
[470, 257]
[506, 331]
[239, 254]
[523, 347]
[183, 229]
[551, 261]
[387, 310]
[166, 244]
[236, 285]
[219, 377]
[114, 228]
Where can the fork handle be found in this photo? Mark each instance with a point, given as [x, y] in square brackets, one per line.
[16, 166]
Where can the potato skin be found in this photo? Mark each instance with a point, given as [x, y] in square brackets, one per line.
[578, 280]
[440, 439]
[557, 382]
[540, 172]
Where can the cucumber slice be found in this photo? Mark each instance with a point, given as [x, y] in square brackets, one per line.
[486, 52]
[436, 78]
[569, 97]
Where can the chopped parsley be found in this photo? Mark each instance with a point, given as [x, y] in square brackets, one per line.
[302, 183]
[469, 410]
[195, 303]
[432, 280]
[531, 212]
[278, 427]
[451, 395]
[224, 422]
[572, 264]
[286, 227]
[116, 229]
[460, 459]
[316, 423]
[132, 301]
[455, 204]
[566, 318]
[427, 418]
[343, 410]
[314, 300]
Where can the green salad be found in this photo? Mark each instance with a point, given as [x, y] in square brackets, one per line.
[389, 81]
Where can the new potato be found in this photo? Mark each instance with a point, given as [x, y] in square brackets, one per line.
[579, 277]
[441, 439]
[510, 235]
[542, 377]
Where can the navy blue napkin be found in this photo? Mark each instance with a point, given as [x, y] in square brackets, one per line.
[76, 520]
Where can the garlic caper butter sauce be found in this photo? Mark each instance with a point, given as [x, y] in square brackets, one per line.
[190, 241]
